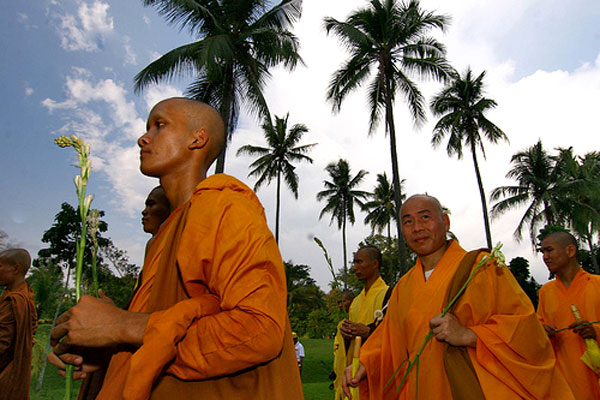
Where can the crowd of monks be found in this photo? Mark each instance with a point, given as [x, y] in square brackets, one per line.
[208, 317]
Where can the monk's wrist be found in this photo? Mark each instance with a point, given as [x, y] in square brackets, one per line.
[132, 328]
[469, 338]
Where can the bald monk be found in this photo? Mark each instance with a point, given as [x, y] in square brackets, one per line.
[572, 285]
[361, 316]
[18, 322]
[209, 320]
[155, 212]
[496, 347]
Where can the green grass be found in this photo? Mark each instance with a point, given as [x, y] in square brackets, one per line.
[315, 372]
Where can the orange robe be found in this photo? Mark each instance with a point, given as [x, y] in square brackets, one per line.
[226, 334]
[554, 308]
[513, 357]
[18, 322]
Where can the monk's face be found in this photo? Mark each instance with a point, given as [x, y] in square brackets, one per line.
[555, 254]
[156, 211]
[364, 266]
[164, 148]
[424, 226]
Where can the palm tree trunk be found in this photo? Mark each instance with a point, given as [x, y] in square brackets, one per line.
[588, 238]
[225, 111]
[389, 238]
[38, 387]
[389, 117]
[277, 208]
[486, 220]
[344, 249]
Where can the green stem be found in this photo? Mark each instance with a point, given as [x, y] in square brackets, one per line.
[68, 381]
[583, 323]
[94, 271]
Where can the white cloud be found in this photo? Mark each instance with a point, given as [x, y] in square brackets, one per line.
[130, 56]
[87, 30]
[25, 21]
[28, 91]
[146, 20]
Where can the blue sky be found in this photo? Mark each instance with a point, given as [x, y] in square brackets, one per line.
[67, 66]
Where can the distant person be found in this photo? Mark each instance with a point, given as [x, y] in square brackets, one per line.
[362, 313]
[299, 351]
[156, 211]
[490, 346]
[572, 285]
[18, 322]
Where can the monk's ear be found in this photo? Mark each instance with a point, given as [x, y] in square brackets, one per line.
[200, 139]
[446, 220]
[571, 251]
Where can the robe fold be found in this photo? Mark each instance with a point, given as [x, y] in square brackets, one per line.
[513, 358]
[554, 308]
[18, 322]
[362, 310]
[218, 327]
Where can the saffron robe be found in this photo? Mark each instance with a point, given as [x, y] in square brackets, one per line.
[362, 310]
[18, 322]
[554, 308]
[513, 358]
[243, 348]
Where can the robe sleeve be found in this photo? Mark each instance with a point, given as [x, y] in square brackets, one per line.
[512, 346]
[236, 256]
[7, 327]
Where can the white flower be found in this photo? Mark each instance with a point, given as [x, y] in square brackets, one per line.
[498, 255]
[87, 202]
[378, 315]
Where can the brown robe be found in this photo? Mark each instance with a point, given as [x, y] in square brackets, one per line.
[18, 322]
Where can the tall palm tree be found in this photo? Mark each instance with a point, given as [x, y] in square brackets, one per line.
[462, 106]
[237, 43]
[536, 176]
[389, 39]
[341, 194]
[276, 159]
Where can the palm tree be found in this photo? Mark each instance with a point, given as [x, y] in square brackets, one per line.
[389, 39]
[381, 208]
[462, 106]
[341, 195]
[578, 195]
[276, 159]
[237, 43]
[536, 177]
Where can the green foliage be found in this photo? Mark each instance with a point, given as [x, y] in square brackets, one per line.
[315, 371]
[235, 45]
[519, 267]
[304, 296]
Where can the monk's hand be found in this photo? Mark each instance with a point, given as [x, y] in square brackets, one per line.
[583, 329]
[350, 330]
[349, 381]
[81, 367]
[550, 330]
[97, 322]
[447, 329]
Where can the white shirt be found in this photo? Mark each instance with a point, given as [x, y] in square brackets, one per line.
[299, 351]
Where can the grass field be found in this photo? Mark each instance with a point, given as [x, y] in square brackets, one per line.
[315, 373]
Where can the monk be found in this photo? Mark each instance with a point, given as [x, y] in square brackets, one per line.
[572, 285]
[209, 320]
[366, 265]
[155, 212]
[18, 322]
[491, 345]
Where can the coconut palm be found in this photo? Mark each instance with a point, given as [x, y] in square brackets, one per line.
[237, 43]
[388, 39]
[341, 194]
[536, 176]
[276, 159]
[462, 106]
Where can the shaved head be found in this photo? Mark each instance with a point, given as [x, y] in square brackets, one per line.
[19, 257]
[203, 116]
[563, 239]
[373, 252]
[434, 201]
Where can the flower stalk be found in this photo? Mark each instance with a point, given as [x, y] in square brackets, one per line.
[500, 262]
[336, 283]
[81, 180]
